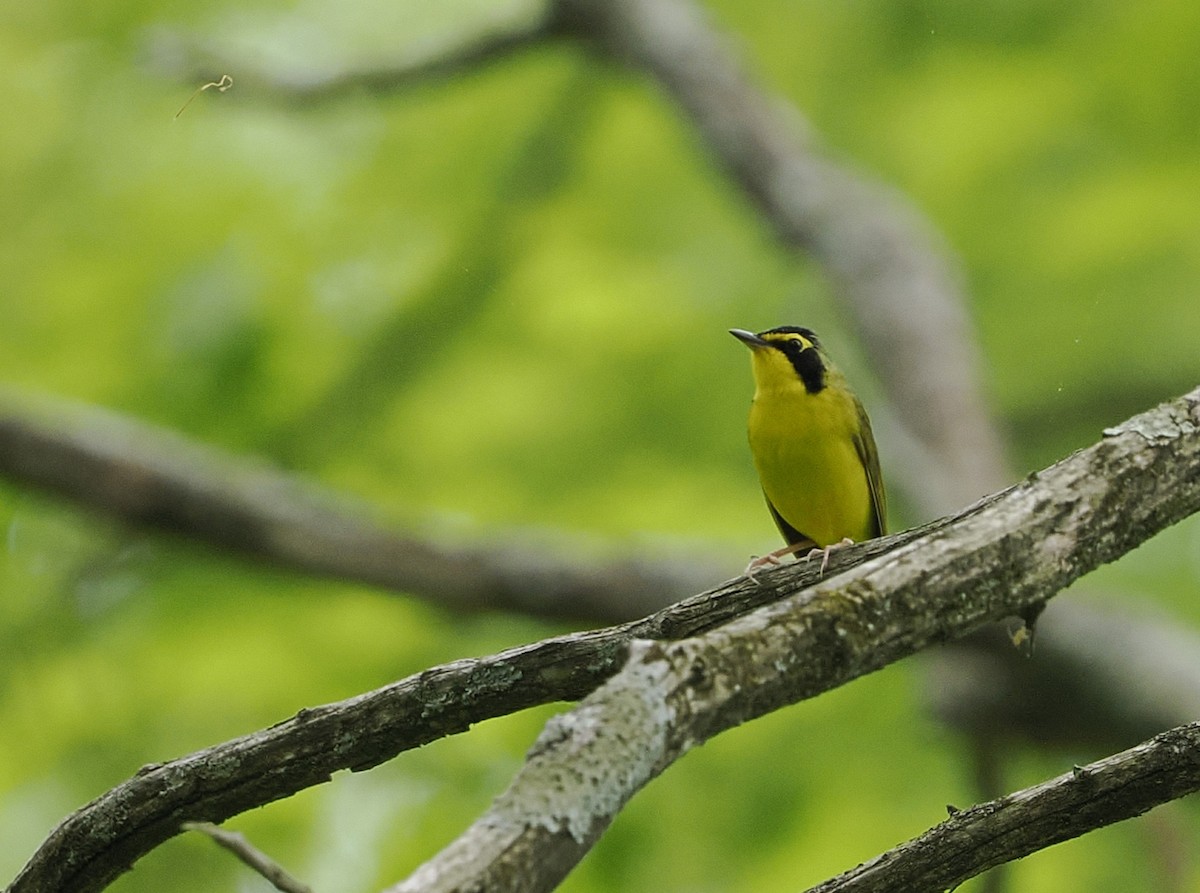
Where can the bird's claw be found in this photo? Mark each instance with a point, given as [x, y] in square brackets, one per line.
[759, 561]
[824, 553]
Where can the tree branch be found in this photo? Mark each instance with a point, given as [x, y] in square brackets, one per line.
[153, 477]
[105, 837]
[142, 474]
[157, 478]
[1103, 793]
[922, 586]
[753, 142]
[1005, 554]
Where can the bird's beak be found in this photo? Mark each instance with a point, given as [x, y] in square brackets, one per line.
[749, 339]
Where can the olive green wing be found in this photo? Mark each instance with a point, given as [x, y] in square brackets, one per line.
[868, 454]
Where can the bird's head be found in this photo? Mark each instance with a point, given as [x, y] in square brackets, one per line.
[783, 355]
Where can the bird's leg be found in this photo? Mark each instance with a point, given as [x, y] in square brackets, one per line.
[824, 553]
[773, 558]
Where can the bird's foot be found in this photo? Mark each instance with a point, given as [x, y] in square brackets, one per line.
[772, 559]
[757, 562]
[824, 553]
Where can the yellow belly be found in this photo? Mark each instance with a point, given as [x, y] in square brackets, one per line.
[803, 449]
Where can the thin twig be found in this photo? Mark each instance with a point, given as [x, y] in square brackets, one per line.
[237, 844]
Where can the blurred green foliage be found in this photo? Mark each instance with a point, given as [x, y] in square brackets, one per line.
[502, 299]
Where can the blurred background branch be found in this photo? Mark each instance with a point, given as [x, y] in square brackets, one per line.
[891, 273]
[155, 478]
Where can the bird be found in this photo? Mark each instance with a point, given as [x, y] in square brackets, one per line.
[812, 446]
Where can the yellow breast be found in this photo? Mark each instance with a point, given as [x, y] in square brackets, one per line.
[811, 472]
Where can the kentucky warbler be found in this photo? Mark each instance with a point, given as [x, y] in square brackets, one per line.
[812, 445]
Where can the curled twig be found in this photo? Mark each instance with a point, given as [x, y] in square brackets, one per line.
[221, 86]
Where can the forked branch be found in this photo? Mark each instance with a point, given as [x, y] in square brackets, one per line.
[717, 659]
[1003, 556]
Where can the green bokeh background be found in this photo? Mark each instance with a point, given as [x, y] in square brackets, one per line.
[502, 300]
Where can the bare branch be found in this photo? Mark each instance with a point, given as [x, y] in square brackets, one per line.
[154, 477]
[890, 269]
[142, 474]
[914, 588]
[1089, 797]
[105, 837]
[250, 855]
[1008, 552]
